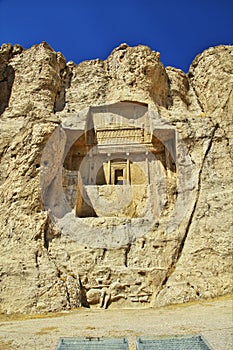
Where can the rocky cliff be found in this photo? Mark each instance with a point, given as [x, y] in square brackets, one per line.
[42, 269]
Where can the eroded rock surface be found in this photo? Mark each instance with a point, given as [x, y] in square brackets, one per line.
[186, 254]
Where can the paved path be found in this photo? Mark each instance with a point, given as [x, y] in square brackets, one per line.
[212, 319]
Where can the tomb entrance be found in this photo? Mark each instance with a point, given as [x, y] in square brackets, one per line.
[119, 147]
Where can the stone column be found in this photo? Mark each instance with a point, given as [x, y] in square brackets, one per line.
[128, 171]
[108, 179]
[79, 198]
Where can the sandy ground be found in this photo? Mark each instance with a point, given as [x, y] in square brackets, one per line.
[212, 319]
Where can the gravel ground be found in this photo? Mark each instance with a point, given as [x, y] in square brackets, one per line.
[212, 319]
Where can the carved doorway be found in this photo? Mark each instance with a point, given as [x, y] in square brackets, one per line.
[119, 177]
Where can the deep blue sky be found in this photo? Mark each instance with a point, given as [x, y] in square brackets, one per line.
[81, 30]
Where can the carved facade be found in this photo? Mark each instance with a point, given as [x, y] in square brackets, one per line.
[118, 153]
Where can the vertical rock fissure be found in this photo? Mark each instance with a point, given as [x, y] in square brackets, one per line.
[198, 191]
[36, 260]
[197, 95]
[127, 250]
[46, 240]
[66, 75]
[181, 246]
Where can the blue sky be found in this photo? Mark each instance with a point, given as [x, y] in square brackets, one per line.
[81, 30]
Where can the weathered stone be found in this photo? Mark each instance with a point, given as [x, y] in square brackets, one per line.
[185, 254]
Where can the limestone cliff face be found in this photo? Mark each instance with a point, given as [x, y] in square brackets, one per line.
[42, 269]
